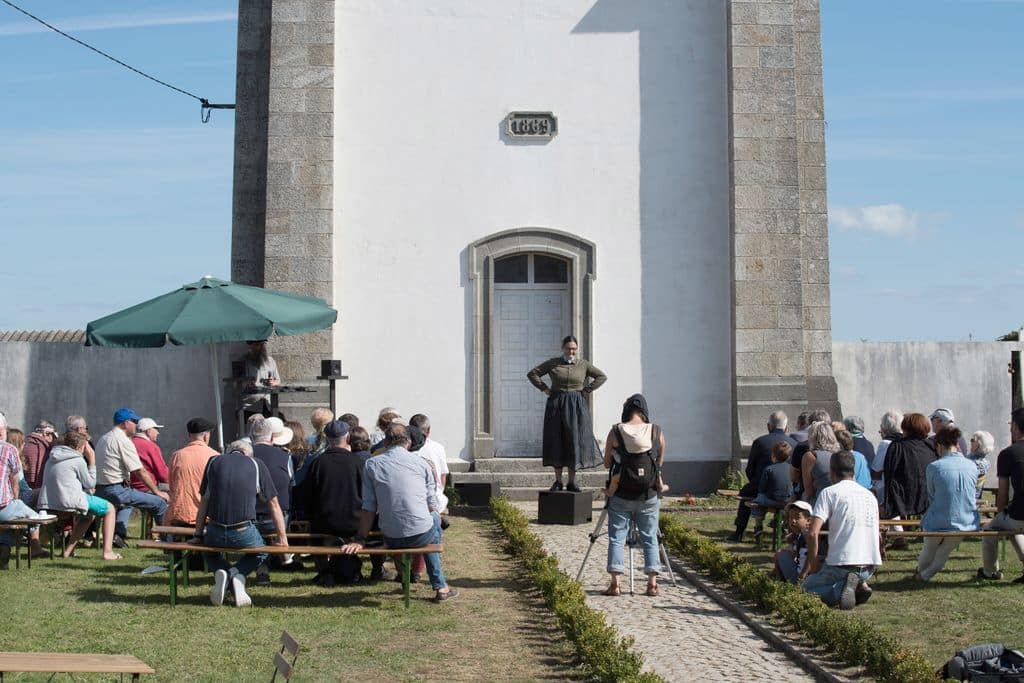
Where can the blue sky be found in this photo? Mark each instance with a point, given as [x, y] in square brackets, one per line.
[111, 190]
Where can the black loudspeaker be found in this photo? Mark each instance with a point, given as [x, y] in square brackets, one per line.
[477, 494]
[565, 507]
[237, 369]
[330, 368]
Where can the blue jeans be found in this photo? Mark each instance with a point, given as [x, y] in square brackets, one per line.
[764, 499]
[829, 581]
[620, 511]
[433, 560]
[265, 525]
[13, 510]
[246, 537]
[127, 497]
[787, 567]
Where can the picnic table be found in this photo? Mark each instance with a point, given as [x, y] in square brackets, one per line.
[19, 527]
[60, 662]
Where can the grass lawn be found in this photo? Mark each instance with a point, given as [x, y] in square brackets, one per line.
[497, 629]
[952, 611]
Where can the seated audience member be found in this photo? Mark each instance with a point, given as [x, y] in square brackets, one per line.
[802, 423]
[791, 560]
[188, 464]
[814, 466]
[68, 481]
[951, 482]
[116, 461]
[384, 418]
[1010, 513]
[940, 419]
[26, 494]
[853, 554]
[861, 472]
[333, 495]
[889, 430]
[359, 442]
[759, 460]
[11, 506]
[861, 444]
[316, 441]
[796, 472]
[774, 488]
[269, 437]
[150, 455]
[398, 485]
[232, 486]
[351, 420]
[982, 444]
[152, 458]
[906, 461]
[36, 450]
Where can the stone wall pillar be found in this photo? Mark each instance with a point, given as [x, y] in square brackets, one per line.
[285, 124]
[780, 232]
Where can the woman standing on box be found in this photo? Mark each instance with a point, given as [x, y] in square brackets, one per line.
[568, 431]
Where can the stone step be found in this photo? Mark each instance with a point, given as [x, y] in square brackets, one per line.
[537, 480]
[521, 493]
[459, 466]
[512, 465]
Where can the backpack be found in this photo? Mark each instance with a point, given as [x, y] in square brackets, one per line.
[990, 663]
[638, 473]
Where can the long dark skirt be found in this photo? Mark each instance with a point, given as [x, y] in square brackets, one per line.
[568, 432]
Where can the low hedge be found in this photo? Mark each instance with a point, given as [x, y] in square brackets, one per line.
[605, 656]
[856, 641]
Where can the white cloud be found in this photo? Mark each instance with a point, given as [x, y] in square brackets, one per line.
[890, 220]
[104, 22]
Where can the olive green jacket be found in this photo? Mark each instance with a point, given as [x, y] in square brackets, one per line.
[567, 376]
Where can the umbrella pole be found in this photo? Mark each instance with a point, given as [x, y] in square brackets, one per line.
[216, 396]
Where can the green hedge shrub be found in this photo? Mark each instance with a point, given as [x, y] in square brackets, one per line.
[856, 641]
[605, 656]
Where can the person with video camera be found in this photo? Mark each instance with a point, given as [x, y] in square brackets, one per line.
[634, 451]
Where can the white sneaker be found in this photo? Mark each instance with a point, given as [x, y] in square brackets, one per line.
[242, 598]
[220, 586]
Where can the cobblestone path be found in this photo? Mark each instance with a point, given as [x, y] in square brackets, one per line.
[682, 634]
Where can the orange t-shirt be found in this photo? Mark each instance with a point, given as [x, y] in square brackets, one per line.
[186, 473]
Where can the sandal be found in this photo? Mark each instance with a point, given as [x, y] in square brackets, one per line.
[612, 591]
[117, 556]
[652, 591]
[557, 486]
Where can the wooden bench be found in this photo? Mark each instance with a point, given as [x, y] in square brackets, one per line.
[58, 663]
[728, 493]
[778, 522]
[20, 527]
[188, 531]
[1001, 535]
[180, 551]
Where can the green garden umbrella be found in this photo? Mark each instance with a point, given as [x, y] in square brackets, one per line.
[211, 311]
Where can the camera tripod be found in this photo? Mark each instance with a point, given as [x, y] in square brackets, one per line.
[632, 541]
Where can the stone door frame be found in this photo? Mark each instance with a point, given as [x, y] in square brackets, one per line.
[581, 255]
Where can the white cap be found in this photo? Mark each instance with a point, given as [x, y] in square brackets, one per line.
[944, 414]
[148, 423]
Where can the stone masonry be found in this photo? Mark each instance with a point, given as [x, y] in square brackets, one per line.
[283, 197]
[780, 223]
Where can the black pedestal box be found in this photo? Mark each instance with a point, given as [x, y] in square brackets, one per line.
[565, 507]
[477, 493]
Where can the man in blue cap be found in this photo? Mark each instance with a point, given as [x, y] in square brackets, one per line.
[116, 462]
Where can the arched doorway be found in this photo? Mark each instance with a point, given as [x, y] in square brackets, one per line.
[532, 286]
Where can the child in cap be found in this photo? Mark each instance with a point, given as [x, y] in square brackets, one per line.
[791, 561]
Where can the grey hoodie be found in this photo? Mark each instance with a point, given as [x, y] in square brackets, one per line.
[65, 480]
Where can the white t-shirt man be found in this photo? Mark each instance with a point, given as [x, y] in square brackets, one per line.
[434, 454]
[852, 515]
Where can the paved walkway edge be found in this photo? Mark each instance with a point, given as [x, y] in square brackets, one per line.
[777, 641]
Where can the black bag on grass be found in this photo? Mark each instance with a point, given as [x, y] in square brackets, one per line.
[989, 663]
